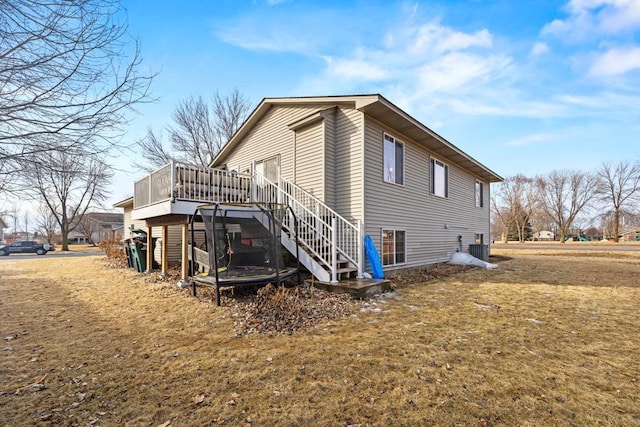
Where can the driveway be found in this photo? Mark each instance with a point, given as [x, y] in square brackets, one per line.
[67, 254]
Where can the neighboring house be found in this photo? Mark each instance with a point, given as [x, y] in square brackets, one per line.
[544, 235]
[98, 226]
[356, 165]
[3, 225]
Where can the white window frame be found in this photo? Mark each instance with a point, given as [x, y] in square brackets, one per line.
[395, 252]
[391, 176]
[479, 193]
[437, 190]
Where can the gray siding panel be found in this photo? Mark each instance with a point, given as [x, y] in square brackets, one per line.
[432, 223]
[329, 158]
[310, 159]
[271, 136]
[348, 167]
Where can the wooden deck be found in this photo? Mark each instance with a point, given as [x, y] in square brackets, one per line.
[358, 288]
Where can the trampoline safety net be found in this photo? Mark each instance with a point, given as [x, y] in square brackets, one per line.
[244, 244]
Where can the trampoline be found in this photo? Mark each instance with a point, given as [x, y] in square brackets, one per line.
[243, 242]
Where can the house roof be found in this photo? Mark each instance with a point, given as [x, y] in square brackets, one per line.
[106, 217]
[3, 224]
[128, 202]
[380, 109]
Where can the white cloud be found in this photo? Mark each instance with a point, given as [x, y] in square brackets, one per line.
[616, 62]
[508, 107]
[592, 18]
[580, 101]
[274, 41]
[455, 71]
[539, 49]
[355, 69]
[434, 38]
[426, 59]
[535, 139]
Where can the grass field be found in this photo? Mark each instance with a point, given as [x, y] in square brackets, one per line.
[549, 338]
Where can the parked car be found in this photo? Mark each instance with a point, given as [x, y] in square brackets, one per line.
[25, 246]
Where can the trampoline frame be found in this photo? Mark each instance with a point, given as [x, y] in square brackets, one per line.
[279, 275]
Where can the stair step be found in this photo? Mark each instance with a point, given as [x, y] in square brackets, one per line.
[346, 270]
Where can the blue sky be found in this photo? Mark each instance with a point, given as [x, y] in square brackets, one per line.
[522, 86]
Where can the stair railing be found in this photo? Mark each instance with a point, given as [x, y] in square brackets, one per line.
[323, 231]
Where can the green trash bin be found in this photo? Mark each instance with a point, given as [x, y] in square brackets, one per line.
[139, 254]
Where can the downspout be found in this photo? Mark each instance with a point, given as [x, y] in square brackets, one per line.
[334, 251]
[360, 254]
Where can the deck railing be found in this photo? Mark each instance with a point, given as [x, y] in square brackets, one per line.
[323, 232]
[179, 181]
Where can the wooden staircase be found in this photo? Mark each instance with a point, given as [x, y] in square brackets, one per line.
[331, 246]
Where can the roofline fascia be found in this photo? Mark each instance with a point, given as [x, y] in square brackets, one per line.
[436, 136]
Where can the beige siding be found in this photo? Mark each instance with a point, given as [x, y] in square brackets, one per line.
[138, 224]
[432, 223]
[348, 168]
[309, 147]
[174, 240]
[329, 158]
[270, 137]
[174, 234]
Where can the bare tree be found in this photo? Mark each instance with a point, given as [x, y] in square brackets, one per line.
[619, 187]
[69, 185]
[566, 194]
[47, 223]
[26, 223]
[540, 220]
[229, 111]
[153, 151]
[68, 76]
[198, 132]
[512, 203]
[88, 227]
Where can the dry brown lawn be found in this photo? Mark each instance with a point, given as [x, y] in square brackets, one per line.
[544, 340]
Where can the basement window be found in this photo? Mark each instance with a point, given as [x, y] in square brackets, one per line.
[394, 247]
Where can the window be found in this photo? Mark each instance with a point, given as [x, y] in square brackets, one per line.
[439, 178]
[393, 247]
[269, 168]
[393, 160]
[479, 195]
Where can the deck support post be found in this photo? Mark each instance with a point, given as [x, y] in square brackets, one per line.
[149, 248]
[164, 267]
[185, 252]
